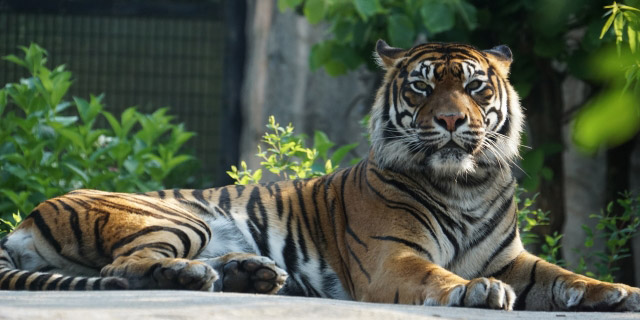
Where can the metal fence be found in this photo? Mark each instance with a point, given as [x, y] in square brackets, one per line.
[143, 54]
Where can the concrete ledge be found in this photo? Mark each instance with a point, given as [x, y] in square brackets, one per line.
[202, 305]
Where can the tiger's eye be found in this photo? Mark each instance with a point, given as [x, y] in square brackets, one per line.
[420, 86]
[475, 84]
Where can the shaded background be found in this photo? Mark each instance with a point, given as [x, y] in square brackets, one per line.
[224, 66]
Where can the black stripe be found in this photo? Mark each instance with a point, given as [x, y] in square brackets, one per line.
[318, 226]
[184, 238]
[355, 257]
[22, 280]
[224, 200]
[345, 175]
[39, 281]
[503, 245]
[279, 204]
[396, 298]
[162, 194]
[407, 243]
[44, 229]
[5, 271]
[171, 214]
[163, 210]
[302, 244]
[521, 303]
[96, 284]
[258, 227]
[98, 227]
[198, 194]
[424, 221]
[177, 194]
[74, 223]
[309, 287]
[504, 269]
[435, 213]
[298, 186]
[330, 200]
[66, 283]
[80, 285]
[52, 284]
[4, 285]
[239, 189]
[154, 245]
[289, 251]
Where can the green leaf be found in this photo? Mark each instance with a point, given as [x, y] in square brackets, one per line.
[115, 125]
[631, 35]
[3, 100]
[76, 139]
[468, 13]
[320, 54]
[335, 68]
[175, 161]
[367, 8]
[78, 171]
[437, 17]
[314, 10]
[128, 119]
[16, 60]
[607, 25]
[322, 143]
[284, 4]
[623, 121]
[618, 26]
[401, 31]
[341, 152]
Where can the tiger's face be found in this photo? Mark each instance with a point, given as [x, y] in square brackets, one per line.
[444, 107]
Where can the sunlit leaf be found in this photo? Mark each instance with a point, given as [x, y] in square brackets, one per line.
[314, 10]
[608, 120]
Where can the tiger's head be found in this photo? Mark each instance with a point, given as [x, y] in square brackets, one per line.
[446, 108]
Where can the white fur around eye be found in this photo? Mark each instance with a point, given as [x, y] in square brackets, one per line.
[425, 91]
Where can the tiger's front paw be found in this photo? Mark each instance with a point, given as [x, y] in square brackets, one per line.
[479, 293]
[594, 295]
[184, 274]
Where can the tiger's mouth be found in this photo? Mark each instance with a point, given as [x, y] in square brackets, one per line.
[452, 145]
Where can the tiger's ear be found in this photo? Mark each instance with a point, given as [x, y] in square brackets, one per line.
[502, 57]
[386, 55]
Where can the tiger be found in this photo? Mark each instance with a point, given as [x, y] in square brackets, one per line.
[428, 217]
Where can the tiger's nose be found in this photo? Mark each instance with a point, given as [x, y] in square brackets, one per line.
[451, 121]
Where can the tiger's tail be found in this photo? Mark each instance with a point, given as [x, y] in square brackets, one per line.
[12, 278]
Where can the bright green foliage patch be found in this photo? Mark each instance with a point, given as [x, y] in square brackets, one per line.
[286, 155]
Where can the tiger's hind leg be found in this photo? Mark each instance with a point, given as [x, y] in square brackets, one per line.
[247, 273]
[149, 269]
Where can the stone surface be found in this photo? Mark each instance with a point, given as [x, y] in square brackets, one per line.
[202, 305]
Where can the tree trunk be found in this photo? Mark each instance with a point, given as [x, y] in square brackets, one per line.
[545, 115]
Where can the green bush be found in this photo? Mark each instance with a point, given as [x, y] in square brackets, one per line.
[287, 156]
[49, 146]
[615, 230]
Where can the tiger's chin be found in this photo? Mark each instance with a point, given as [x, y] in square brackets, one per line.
[451, 162]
